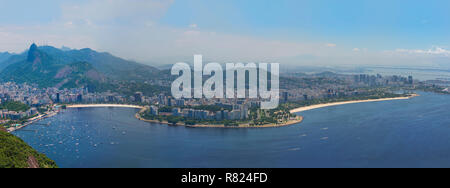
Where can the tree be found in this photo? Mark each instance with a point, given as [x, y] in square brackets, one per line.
[173, 120]
[191, 122]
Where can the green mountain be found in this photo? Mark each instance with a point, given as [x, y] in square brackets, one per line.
[15, 153]
[111, 66]
[44, 70]
[51, 67]
[11, 60]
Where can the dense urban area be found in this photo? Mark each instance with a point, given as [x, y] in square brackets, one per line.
[22, 104]
[44, 81]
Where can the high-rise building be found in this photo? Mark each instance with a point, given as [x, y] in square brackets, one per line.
[58, 98]
[79, 98]
[170, 101]
[138, 97]
[161, 99]
[154, 110]
[284, 97]
[180, 102]
[176, 112]
[219, 116]
[110, 98]
[410, 80]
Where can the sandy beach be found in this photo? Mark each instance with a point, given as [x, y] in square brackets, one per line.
[312, 107]
[104, 106]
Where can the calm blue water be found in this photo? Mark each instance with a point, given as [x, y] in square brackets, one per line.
[403, 133]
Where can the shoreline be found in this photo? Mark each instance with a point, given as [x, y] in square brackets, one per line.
[105, 106]
[299, 119]
[245, 126]
[32, 120]
[51, 114]
[317, 106]
[137, 115]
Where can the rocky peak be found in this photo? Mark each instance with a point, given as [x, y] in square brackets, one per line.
[33, 52]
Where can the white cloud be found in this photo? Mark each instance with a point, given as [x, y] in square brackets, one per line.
[330, 45]
[17, 39]
[356, 49]
[130, 29]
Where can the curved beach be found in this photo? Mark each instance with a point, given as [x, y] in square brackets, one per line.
[104, 106]
[312, 107]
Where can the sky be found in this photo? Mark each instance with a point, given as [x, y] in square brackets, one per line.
[298, 32]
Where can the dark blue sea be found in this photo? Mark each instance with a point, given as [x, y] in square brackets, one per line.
[400, 133]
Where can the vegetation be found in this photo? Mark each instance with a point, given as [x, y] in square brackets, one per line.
[432, 88]
[20, 121]
[190, 121]
[257, 117]
[15, 153]
[166, 109]
[14, 106]
[211, 108]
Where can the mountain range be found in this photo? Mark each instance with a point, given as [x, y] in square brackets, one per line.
[4, 56]
[48, 66]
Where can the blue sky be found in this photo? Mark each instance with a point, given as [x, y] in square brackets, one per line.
[401, 23]
[289, 28]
